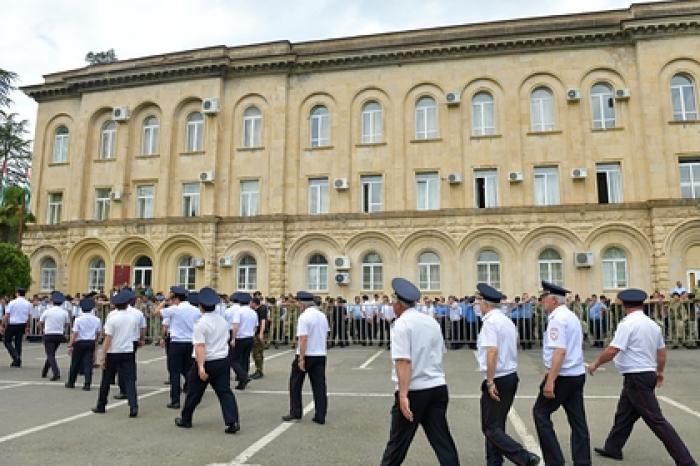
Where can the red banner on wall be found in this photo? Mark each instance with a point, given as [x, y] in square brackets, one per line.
[122, 275]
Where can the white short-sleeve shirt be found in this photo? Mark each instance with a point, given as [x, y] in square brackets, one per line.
[121, 326]
[86, 327]
[388, 312]
[181, 320]
[19, 310]
[54, 318]
[140, 319]
[418, 338]
[230, 314]
[638, 338]
[564, 331]
[498, 331]
[211, 330]
[313, 324]
[247, 320]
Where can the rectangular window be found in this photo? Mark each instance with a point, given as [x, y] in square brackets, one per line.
[426, 122]
[318, 196]
[55, 207]
[485, 192]
[546, 186]
[102, 200]
[252, 131]
[48, 279]
[690, 179]
[483, 120]
[190, 199]
[250, 198]
[372, 124]
[427, 191]
[371, 193]
[609, 183]
[144, 201]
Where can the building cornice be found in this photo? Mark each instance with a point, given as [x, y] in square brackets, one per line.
[619, 27]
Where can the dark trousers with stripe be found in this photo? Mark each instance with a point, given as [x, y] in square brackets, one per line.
[219, 378]
[568, 392]
[240, 358]
[316, 368]
[429, 409]
[51, 344]
[122, 383]
[14, 333]
[179, 364]
[639, 400]
[123, 365]
[81, 359]
[493, 423]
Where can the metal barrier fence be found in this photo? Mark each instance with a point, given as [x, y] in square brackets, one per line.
[366, 324]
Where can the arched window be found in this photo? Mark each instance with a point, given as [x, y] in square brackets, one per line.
[194, 132]
[149, 143]
[614, 268]
[247, 273]
[96, 275]
[483, 118]
[143, 272]
[551, 267]
[488, 268]
[317, 273]
[371, 123]
[320, 126]
[108, 141]
[372, 272]
[252, 127]
[603, 106]
[186, 273]
[429, 271]
[426, 118]
[48, 274]
[683, 98]
[542, 109]
[60, 145]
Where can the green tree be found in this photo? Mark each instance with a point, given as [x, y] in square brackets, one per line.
[10, 211]
[14, 270]
[7, 79]
[15, 150]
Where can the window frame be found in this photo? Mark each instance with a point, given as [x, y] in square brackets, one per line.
[322, 123]
[108, 140]
[318, 187]
[191, 200]
[144, 271]
[249, 200]
[246, 269]
[490, 177]
[194, 132]
[48, 275]
[598, 100]
[615, 263]
[683, 112]
[252, 127]
[694, 173]
[96, 274]
[188, 272]
[492, 267]
[479, 126]
[54, 208]
[424, 114]
[375, 272]
[61, 142]
[102, 204]
[321, 273]
[150, 134]
[545, 173]
[549, 264]
[431, 180]
[431, 269]
[606, 168]
[542, 126]
[144, 201]
[368, 185]
[371, 123]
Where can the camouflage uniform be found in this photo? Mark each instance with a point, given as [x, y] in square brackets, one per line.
[678, 321]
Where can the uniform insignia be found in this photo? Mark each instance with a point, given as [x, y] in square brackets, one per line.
[554, 334]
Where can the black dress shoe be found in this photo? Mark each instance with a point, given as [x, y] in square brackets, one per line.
[173, 405]
[98, 410]
[257, 375]
[533, 460]
[289, 418]
[607, 454]
[233, 428]
[242, 385]
[55, 378]
[182, 423]
[43, 376]
[133, 412]
[121, 396]
[86, 388]
[69, 385]
[319, 421]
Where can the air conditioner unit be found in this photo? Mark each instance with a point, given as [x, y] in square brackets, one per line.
[115, 196]
[210, 106]
[199, 263]
[341, 184]
[454, 178]
[573, 95]
[622, 94]
[342, 278]
[341, 262]
[206, 177]
[120, 113]
[453, 98]
[226, 261]
[515, 177]
[583, 259]
[579, 173]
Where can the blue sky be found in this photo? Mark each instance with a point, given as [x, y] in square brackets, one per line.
[45, 36]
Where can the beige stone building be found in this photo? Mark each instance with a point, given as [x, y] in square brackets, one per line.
[564, 148]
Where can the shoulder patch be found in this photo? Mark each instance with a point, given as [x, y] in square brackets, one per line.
[553, 334]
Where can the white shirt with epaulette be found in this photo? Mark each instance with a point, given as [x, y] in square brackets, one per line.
[564, 331]
[638, 338]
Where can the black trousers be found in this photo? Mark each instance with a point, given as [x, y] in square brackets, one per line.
[358, 331]
[429, 409]
[339, 330]
[493, 423]
[457, 333]
[219, 374]
[179, 364]
[384, 331]
[122, 384]
[81, 360]
[240, 358]
[316, 368]
[638, 400]
[524, 326]
[568, 392]
[14, 333]
[597, 328]
[51, 344]
[123, 365]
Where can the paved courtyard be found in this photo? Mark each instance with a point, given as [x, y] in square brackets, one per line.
[41, 422]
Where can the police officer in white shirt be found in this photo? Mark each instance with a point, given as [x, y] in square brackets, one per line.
[53, 323]
[498, 361]
[86, 330]
[387, 316]
[421, 395]
[229, 314]
[118, 352]
[565, 376]
[312, 331]
[15, 323]
[210, 338]
[244, 323]
[139, 338]
[639, 352]
[181, 317]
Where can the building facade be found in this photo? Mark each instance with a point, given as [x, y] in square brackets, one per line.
[565, 148]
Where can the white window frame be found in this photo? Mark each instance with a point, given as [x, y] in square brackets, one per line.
[246, 274]
[602, 95]
[371, 186]
[191, 194]
[542, 106]
[186, 273]
[49, 274]
[145, 201]
[108, 140]
[317, 274]
[102, 203]
[546, 185]
[549, 265]
[55, 206]
[691, 184]
[482, 106]
[60, 145]
[490, 177]
[427, 191]
[430, 270]
[318, 196]
[612, 266]
[194, 132]
[371, 122]
[96, 274]
[372, 273]
[426, 116]
[150, 134]
[489, 270]
[320, 126]
[683, 113]
[614, 186]
[250, 198]
[252, 127]
[141, 272]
